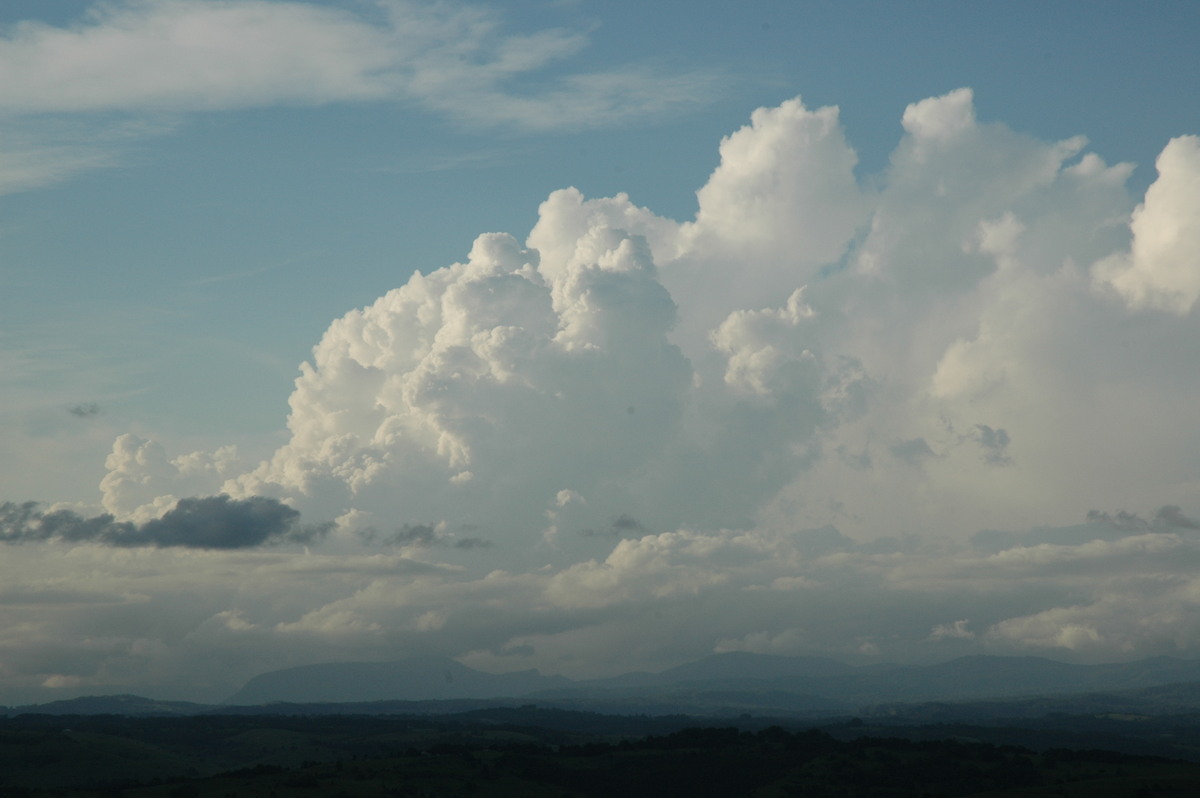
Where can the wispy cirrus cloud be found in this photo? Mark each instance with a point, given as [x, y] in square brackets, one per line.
[138, 58]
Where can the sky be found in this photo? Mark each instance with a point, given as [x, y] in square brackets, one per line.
[593, 337]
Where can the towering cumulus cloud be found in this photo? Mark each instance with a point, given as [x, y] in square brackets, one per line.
[477, 393]
[1160, 271]
[902, 358]
[809, 419]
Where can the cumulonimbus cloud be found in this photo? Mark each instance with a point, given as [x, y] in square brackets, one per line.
[681, 438]
[716, 371]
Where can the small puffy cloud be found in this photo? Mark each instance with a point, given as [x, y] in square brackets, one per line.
[952, 631]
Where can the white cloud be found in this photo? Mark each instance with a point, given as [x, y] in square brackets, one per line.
[32, 157]
[658, 424]
[188, 55]
[751, 339]
[617, 355]
[478, 366]
[1160, 270]
[782, 204]
[563, 356]
[785, 184]
[143, 59]
[143, 483]
[109, 618]
[952, 631]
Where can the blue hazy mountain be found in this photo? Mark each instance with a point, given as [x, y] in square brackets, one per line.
[412, 679]
[717, 684]
[733, 667]
[130, 705]
[733, 680]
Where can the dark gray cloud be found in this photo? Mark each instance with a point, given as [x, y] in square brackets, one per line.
[211, 522]
[912, 451]
[623, 526]
[1100, 525]
[1121, 520]
[995, 444]
[415, 534]
[821, 541]
[626, 524]
[84, 410]
[426, 536]
[1172, 516]
[1169, 516]
[860, 460]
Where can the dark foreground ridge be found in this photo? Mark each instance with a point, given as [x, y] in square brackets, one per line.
[531, 752]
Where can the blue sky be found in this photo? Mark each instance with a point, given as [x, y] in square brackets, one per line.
[191, 193]
[215, 247]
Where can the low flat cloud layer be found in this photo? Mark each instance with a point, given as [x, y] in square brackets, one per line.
[948, 409]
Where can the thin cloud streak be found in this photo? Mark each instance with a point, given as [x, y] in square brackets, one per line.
[141, 58]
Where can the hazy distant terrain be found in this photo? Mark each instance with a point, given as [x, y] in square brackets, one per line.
[720, 683]
[723, 685]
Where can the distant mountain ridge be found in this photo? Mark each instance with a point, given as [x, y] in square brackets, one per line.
[131, 705]
[734, 666]
[413, 679]
[743, 678]
[734, 679]
[720, 684]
